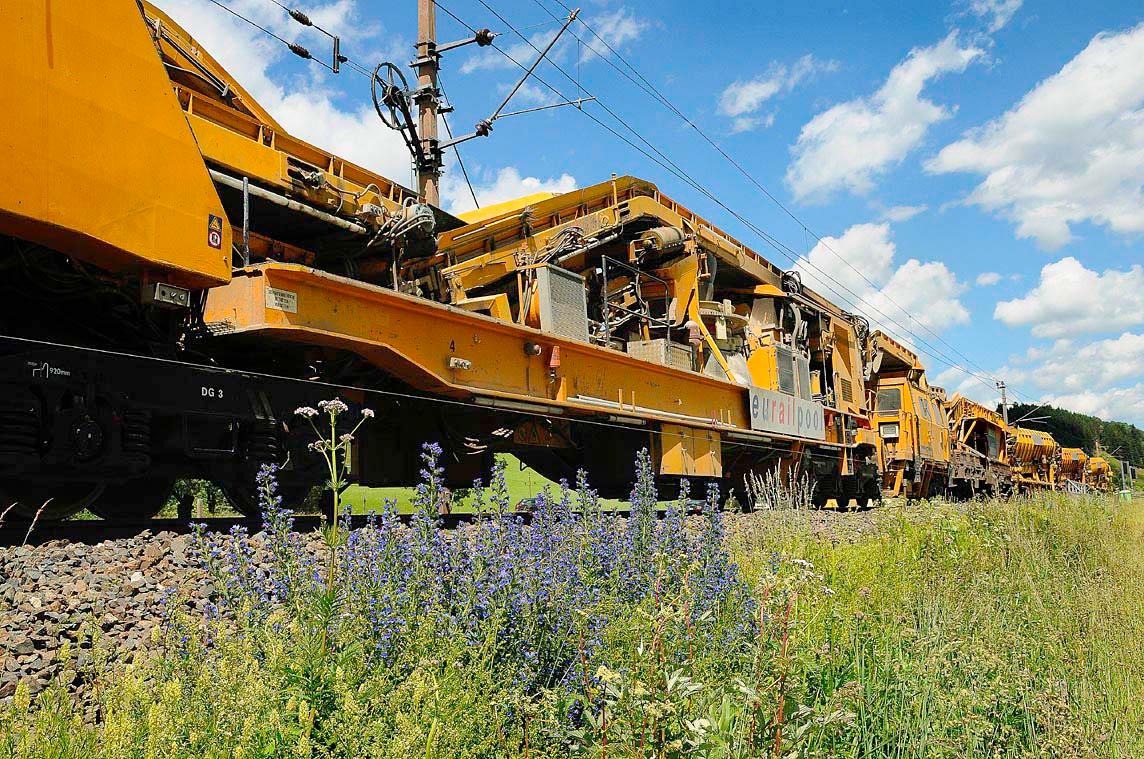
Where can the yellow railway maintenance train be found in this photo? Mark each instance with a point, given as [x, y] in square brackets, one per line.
[180, 273]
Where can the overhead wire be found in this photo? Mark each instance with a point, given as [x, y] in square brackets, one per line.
[651, 90]
[302, 18]
[253, 23]
[293, 47]
[669, 165]
[456, 148]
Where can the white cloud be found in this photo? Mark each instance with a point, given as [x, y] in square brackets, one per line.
[528, 95]
[927, 292]
[616, 28]
[744, 97]
[506, 184]
[741, 124]
[988, 278]
[1117, 404]
[891, 297]
[997, 13]
[868, 249]
[308, 110]
[1071, 151]
[1102, 377]
[1071, 299]
[903, 213]
[486, 59]
[849, 145]
[975, 385]
[1068, 367]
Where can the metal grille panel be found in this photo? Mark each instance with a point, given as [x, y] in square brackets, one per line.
[662, 352]
[563, 302]
[785, 361]
[803, 365]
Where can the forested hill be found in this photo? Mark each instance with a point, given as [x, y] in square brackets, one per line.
[1073, 430]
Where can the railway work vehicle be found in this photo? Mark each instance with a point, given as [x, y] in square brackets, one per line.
[913, 432]
[181, 273]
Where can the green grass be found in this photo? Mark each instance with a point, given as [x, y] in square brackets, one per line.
[523, 483]
[984, 630]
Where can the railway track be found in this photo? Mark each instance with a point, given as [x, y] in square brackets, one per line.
[91, 531]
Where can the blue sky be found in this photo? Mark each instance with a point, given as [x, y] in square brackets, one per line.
[974, 167]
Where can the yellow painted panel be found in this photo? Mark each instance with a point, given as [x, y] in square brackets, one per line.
[238, 153]
[491, 212]
[688, 452]
[99, 158]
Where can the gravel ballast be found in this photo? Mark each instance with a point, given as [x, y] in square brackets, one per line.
[105, 600]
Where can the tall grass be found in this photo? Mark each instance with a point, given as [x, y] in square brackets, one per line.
[992, 629]
[996, 629]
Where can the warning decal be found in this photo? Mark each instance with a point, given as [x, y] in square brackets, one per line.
[214, 231]
[282, 300]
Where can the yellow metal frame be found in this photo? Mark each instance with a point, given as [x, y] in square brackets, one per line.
[454, 352]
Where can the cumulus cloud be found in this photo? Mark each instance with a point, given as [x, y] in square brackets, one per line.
[849, 145]
[1071, 151]
[906, 295]
[926, 292]
[506, 184]
[742, 99]
[988, 278]
[529, 94]
[1102, 377]
[997, 13]
[487, 59]
[1117, 404]
[1071, 299]
[972, 384]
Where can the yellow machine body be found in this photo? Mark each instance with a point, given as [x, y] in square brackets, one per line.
[1099, 474]
[979, 456]
[1035, 456]
[909, 419]
[570, 329]
[1074, 465]
[100, 161]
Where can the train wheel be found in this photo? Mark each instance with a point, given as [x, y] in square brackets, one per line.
[244, 498]
[133, 500]
[851, 490]
[50, 502]
[871, 494]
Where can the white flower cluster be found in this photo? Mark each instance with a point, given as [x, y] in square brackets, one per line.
[333, 407]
